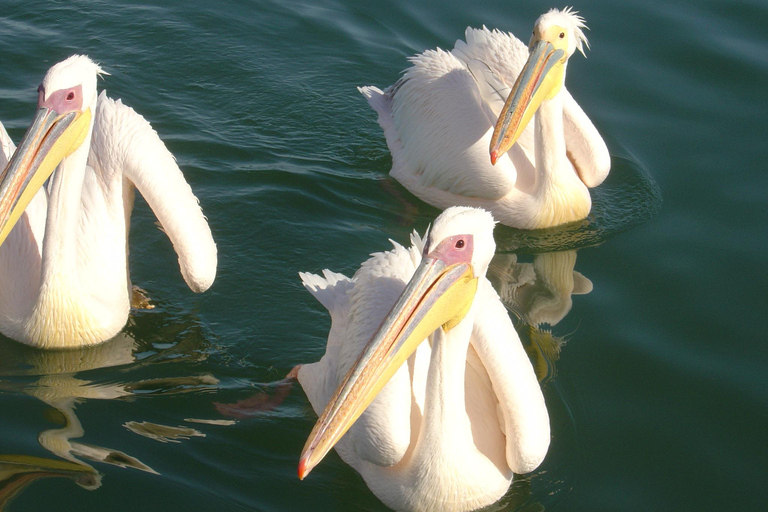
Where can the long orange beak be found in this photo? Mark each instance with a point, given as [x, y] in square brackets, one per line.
[541, 78]
[438, 295]
[51, 138]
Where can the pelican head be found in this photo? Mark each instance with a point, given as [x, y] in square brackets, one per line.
[556, 36]
[456, 254]
[477, 224]
[66, 101]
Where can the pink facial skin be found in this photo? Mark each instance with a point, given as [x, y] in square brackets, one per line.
[61, 101]
[455, 249]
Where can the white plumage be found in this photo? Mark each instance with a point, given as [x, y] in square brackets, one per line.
[464, 412]
[64, 265]
[438, 121]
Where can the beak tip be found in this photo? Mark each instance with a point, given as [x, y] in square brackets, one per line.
[494, 156]
[303, 470]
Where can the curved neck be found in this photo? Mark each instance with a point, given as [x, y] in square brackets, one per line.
[561, 196]
[445, 422]
[83, 297]
[59, 250]
[551, 159]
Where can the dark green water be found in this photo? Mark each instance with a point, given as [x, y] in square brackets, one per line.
[659, 398]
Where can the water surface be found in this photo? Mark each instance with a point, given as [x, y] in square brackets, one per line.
[653, 363]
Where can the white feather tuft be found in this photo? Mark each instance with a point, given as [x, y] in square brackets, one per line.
[575, 22]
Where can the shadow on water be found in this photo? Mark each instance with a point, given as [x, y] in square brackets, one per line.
[131, 366]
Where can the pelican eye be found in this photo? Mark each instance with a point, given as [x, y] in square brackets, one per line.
[562, 35]
[70, 96]
[459, 244]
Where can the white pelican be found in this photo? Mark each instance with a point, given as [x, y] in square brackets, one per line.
[447, 430]
[439, 117]
[64, 261]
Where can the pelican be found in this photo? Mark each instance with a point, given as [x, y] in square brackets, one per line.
[439, 120]
[426, 372]
[65, 205]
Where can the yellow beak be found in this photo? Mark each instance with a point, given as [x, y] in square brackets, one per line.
[541, 78]
[438, 295]
[51, 138]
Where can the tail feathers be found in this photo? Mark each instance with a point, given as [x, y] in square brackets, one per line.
[381, 102]
[330, 289]
[376, 98]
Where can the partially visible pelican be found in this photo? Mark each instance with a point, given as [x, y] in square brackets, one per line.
[425, 369]
[64, 254]
[439, 119]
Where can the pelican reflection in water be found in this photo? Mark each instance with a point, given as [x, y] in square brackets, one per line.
[63, 380]
[425, 373]
[539, 293]
[458, 126]
[58, 385]
[65, 205]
